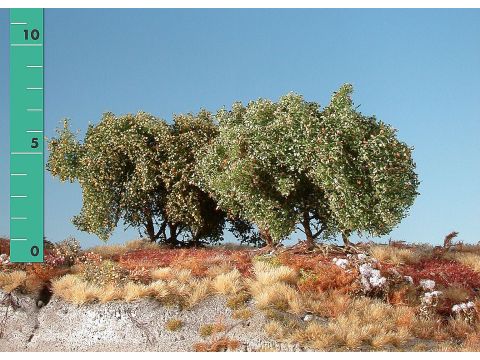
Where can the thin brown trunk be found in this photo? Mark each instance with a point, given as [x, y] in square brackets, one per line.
[173, 234]
[265, 234]
[149, 227]
[308, 230]
[345, 235]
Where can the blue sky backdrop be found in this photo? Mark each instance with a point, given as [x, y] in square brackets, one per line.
[418, 70]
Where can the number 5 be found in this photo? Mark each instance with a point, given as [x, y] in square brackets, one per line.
[34, 143]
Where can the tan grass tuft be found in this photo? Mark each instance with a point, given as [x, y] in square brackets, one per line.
[222, 268]
[139, 244]
[13, 280]
[159, 289]
[201, 289]
[111, 292]
[394, 255]
[107, 251]
[328, 304]
[167, 274]
[238, 300]
[174, 324]
[229, 283]
[456, 294]
[267, 274]
[207, 330]
[275, 330]
[242, 314]
[365, 322]
[164, 273]
[278, 296]
[217, 345]
[75, 290]
[134, 291]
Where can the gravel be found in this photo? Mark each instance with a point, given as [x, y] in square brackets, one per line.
[122, 326]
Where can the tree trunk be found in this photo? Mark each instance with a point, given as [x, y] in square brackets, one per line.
[265, 234]
[345, 235]
[150, 229]
[308, 230]
[172, 240]
[194, 240]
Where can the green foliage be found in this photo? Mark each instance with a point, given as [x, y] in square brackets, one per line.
[366, 172]
[138, 169]
[267, 166]
[186, 203]
[287, 163]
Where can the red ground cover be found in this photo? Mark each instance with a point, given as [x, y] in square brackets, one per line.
[4, 246]
[444, 272]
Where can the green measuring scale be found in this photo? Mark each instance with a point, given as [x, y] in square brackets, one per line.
[26, 135]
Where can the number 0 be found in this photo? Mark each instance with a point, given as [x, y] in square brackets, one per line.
[34, 250]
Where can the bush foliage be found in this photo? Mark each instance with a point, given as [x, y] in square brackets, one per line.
[289, 163]
[267, 166]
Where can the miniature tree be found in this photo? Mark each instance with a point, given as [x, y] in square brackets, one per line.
[137, 168]
[289, 163]
[367, 174]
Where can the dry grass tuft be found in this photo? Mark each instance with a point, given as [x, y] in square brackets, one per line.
[141, 244]
[431, 328]
[201, 289]
[33, 284]
[109, 251]
[174, 324]
[215, 270]
[267, 274]
[456, 294]
[111, 292]
[229, 283]
[272, 288]
[171, 292]
[12, 281]
[277, 296]
[211, 329]
[365, 322]
[74, 289]
[394, 255]
[327, 276]
[222, 344]
[133, 291]
[328, 304]
[275, 330]
[167, 273]
[238, 300]
[242, 314]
